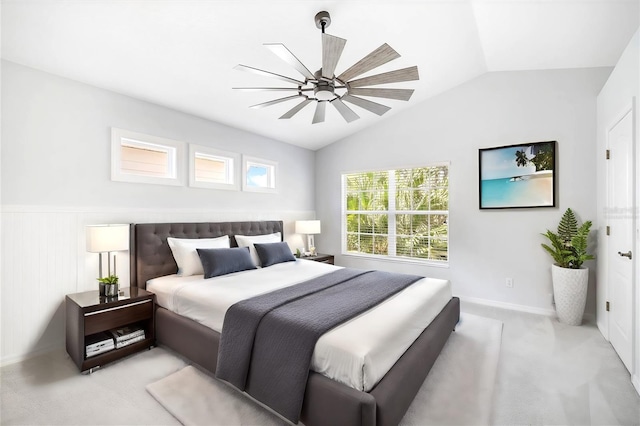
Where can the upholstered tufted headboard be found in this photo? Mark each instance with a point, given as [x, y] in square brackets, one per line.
[150, 253]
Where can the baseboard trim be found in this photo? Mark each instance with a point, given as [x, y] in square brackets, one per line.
[19, 358]
[635, 381]
[510, 306]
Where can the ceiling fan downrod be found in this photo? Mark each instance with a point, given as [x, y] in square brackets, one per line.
[323, 20]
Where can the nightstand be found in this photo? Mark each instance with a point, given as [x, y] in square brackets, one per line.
[323, 258]
[88, 314]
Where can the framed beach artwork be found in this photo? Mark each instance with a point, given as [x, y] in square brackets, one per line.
[518, 176]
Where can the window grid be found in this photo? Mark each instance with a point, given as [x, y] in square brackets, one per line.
[400, 213]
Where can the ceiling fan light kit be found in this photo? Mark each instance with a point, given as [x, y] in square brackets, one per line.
[324, 87]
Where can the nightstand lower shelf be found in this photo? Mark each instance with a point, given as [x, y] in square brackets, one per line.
[115, 354]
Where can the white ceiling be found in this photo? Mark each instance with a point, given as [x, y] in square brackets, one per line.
[181, 54]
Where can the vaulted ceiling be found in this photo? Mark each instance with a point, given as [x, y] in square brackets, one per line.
[181, 54]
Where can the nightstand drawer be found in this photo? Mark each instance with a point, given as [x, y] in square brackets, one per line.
[108, 318]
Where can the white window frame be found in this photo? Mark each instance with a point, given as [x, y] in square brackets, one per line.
[391, 212]
[232, 160]
[176, 150]
[272, 178]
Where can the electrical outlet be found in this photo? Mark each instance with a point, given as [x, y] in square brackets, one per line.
[510, 282]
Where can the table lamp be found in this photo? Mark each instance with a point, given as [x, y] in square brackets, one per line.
[107, 239]
[309, 227]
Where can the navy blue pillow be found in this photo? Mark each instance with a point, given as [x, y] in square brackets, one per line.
[222, 261]
[273, 253]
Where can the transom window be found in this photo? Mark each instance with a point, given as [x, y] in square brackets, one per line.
[140, 158]
[146, 159]
[400, 213]
[213, 168]
[259, 175]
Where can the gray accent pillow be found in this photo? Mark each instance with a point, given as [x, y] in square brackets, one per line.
[273, 253]
[222, 261]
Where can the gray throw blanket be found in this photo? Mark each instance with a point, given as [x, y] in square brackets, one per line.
[267, 341]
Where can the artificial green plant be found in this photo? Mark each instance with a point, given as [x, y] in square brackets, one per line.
[111, 279]
[569, 246]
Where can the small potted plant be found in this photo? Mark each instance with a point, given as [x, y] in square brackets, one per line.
[570, 280]
[110, 285]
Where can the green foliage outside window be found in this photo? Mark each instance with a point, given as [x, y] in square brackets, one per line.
[405, 208]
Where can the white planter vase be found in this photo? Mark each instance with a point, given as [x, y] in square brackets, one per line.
[570, 293]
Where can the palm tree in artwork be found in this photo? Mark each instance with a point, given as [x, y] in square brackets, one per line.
[521, 158]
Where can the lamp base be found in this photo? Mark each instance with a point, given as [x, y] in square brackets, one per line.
[311, 246]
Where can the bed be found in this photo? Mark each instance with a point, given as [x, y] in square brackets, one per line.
[326, 401]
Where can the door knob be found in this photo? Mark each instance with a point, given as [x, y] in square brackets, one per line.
[627, 254]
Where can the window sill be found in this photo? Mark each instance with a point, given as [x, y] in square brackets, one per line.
[428, 263]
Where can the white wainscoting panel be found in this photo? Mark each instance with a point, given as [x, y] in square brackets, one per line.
[44, 258]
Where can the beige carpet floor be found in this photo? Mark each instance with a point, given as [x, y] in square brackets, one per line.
[557, 374]
[548, 374]
[466, 368]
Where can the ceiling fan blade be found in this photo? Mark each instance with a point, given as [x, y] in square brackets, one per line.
[405, 74]
[399, 94]
[374, 107]
[318, 117]
[268, 74]
[275, 101]
[380, 56]
[332, 48]
[271, 89]
[281, 51]
[347, 113]
[293, 111]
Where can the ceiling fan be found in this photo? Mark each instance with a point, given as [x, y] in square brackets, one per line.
[324, 87]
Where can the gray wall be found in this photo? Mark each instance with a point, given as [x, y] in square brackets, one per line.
[56, 149]
[55, 180]
[495, 109]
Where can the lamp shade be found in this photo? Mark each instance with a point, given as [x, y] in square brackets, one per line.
[105, 238]
[307, 226]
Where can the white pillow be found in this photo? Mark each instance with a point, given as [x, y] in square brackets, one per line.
[249, 240]
[186, 256]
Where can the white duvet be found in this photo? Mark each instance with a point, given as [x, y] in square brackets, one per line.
[357, 353]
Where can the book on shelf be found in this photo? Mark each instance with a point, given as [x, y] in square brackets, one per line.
[98, 343]
[97, 351]
[123, 343]
[125, 333]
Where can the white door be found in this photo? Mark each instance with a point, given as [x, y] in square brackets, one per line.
[620, 240]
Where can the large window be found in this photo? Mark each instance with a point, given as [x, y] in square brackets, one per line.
[401, 213]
